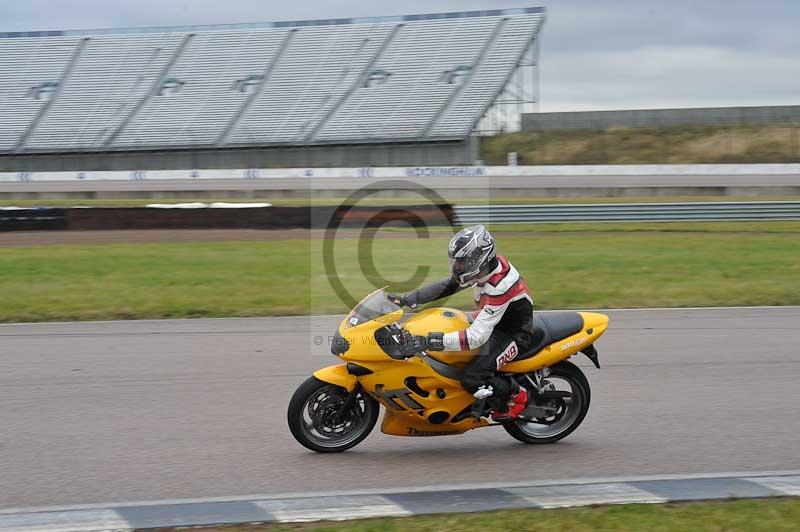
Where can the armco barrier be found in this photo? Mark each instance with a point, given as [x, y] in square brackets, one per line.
[630, 212]
[428, 215]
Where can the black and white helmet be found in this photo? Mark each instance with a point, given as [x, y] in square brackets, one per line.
[471, 253]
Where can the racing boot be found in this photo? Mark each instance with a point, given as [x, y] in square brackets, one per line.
[482, 394]
[515, 406]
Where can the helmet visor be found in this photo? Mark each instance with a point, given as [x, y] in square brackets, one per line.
[464, 269]
[458, 266]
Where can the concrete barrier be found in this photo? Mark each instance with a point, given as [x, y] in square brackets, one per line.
[138, 218]
[32, 219]
[416, 172]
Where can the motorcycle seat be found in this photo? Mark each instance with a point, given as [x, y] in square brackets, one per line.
[550, 327]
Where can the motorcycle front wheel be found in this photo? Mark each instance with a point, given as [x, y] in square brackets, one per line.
[567, 413]
[318, 422]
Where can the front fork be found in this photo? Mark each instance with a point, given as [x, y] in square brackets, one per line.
[352, 397]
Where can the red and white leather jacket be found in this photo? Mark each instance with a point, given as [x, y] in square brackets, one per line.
[504, 303]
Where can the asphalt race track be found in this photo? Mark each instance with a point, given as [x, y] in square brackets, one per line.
[126, 411]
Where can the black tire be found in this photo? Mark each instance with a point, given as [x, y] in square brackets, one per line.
[567, 371]
[366, 408]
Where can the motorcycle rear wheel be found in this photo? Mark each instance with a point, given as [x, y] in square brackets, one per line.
[570, 415]
[313, 420]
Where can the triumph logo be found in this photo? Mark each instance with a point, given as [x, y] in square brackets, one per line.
[416, 432]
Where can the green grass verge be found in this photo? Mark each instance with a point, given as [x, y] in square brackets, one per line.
[771, 515]
[315, 202]
[566, 266]
[777, 143]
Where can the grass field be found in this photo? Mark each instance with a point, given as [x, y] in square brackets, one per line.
[566, 266]
[773, 515]
[667, 145]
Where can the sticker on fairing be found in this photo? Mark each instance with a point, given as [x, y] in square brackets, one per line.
[573, 343]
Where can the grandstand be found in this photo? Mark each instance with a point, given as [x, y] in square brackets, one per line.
[346, 92]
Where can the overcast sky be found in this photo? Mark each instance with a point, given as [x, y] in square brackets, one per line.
[595, 54]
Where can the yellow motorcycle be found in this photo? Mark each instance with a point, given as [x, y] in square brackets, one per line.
[338, 407]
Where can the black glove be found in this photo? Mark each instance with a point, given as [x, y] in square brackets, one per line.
[435, 341]
[401, 300]
[397, 299]
[411, 345]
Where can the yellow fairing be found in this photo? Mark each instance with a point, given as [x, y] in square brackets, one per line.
[338, 376]
[398, 425]
[363, 345]
[443, 320]
[593, 326]
[418, 400]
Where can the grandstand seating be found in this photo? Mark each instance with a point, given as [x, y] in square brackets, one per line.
[345, 81]
[312, 76]
[102, 89]
[198, 113]
[28, 66]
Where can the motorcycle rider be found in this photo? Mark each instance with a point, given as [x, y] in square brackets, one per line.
[502, 329]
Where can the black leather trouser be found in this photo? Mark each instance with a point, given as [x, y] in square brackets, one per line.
[500, 349]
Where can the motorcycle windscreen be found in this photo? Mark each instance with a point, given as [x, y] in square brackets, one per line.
[372, 307]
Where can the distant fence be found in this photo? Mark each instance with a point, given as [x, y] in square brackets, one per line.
[630, 212]
[703, 116]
